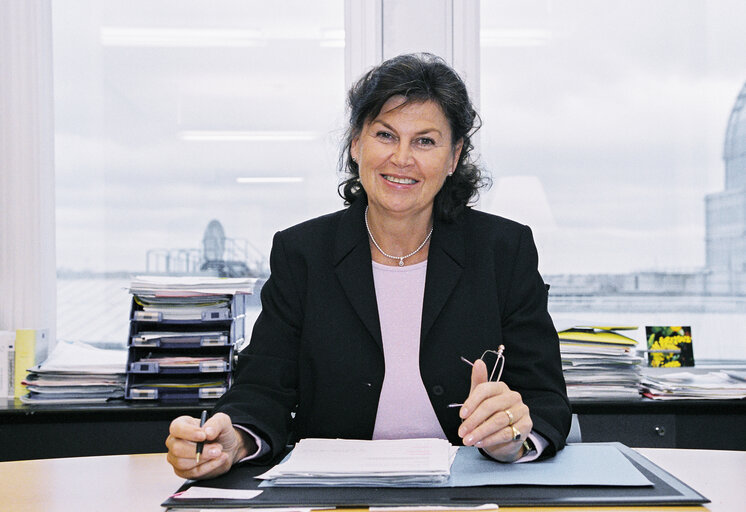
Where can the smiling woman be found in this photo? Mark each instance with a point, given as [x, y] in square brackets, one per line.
[369, 312]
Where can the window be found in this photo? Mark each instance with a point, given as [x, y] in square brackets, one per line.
[172, 114]
[605, 125]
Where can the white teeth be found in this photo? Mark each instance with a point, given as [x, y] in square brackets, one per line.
[402, 181]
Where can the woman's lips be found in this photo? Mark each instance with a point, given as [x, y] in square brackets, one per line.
[399, 181]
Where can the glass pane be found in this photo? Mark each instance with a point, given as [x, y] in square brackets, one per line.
[605, 129]
[172, 114]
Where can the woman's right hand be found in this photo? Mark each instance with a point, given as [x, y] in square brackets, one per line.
[223, 446]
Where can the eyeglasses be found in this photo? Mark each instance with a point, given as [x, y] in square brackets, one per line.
[497, 367]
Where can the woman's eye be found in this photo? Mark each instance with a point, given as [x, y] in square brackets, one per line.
[384, 135]
[426, 141]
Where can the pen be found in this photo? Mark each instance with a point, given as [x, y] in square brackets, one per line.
[202, 420]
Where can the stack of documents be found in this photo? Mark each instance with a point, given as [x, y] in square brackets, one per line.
[186, 298]
[191, 285]
[694, 386]
[364, 463]
[76, 372]
[598, 362]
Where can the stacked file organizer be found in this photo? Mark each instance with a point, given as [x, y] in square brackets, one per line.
[183, 334]
[598, 362]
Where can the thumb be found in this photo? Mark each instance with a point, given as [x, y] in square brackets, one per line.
[216, 426]
[478, 374]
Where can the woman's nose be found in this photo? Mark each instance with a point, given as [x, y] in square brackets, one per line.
[402, 156]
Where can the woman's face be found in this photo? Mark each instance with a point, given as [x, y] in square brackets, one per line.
[404, 156]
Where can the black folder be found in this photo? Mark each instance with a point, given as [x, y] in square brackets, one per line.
[666, 490]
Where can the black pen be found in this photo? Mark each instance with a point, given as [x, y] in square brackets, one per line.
[202, 421]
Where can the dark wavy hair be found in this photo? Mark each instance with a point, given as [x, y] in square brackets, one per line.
[418, 77]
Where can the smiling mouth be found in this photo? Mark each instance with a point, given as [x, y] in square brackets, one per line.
[399, 181]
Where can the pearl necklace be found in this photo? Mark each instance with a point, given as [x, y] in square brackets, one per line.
[400, 258]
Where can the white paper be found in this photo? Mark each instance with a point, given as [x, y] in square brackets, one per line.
[354, 462]
[196, 492]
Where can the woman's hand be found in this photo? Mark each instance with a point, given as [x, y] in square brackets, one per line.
[223, 446]
[486, 424]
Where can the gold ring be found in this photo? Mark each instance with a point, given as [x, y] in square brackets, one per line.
[510, 417]
[516, 433]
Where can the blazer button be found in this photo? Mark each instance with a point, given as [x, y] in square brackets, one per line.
[437, 390]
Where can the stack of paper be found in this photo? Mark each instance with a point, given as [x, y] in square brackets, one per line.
[364, 463]
[598, 362]
[186, 298]
[76, 372]
[183, 286]
[694, 386]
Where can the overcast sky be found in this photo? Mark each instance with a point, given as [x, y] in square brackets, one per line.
[607, 117]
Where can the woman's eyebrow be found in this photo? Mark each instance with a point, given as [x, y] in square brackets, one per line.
[421, 132]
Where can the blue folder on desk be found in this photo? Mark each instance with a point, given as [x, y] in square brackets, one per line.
[656, 487]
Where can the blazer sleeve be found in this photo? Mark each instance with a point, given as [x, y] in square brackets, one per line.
[264, 392]
[533, 364]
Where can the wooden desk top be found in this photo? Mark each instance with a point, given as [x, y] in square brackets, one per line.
[141, 482]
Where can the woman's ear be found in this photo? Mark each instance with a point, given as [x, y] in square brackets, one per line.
[456, 155]
[354, 149]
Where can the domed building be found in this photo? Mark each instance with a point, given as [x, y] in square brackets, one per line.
[726, 211]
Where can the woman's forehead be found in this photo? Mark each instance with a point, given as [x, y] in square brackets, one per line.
[406, 106]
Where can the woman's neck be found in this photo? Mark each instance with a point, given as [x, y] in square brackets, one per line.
[399, 235]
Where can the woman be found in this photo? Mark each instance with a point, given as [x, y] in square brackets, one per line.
[370, 312]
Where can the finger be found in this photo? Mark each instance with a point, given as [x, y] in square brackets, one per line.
[504, 435]
[479, 394]
[181, 448]
[215, 467]
[478, 374]
[503, 439]
[217, 425]
[490, 416]
[186, 427]
[187, 468]
[486, 409]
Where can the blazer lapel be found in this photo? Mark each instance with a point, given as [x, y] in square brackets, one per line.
[353, 267]
[445, 263]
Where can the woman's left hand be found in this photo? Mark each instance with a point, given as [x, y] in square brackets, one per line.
[494, 417]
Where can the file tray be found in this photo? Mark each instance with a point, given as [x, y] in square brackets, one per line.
[185, 340]
[171, 311]
[183, 336]
[666, 490]
[169, 362]
[208, 315]
[141, 387]
[215, 366]
[175, 394]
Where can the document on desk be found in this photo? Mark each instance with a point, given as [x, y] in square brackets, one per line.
[365, 463]
[577, 464]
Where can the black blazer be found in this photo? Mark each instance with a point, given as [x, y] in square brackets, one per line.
[316, 348]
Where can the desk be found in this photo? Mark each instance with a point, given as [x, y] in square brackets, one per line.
[141, 482]
[33, 431]
[663, 424]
